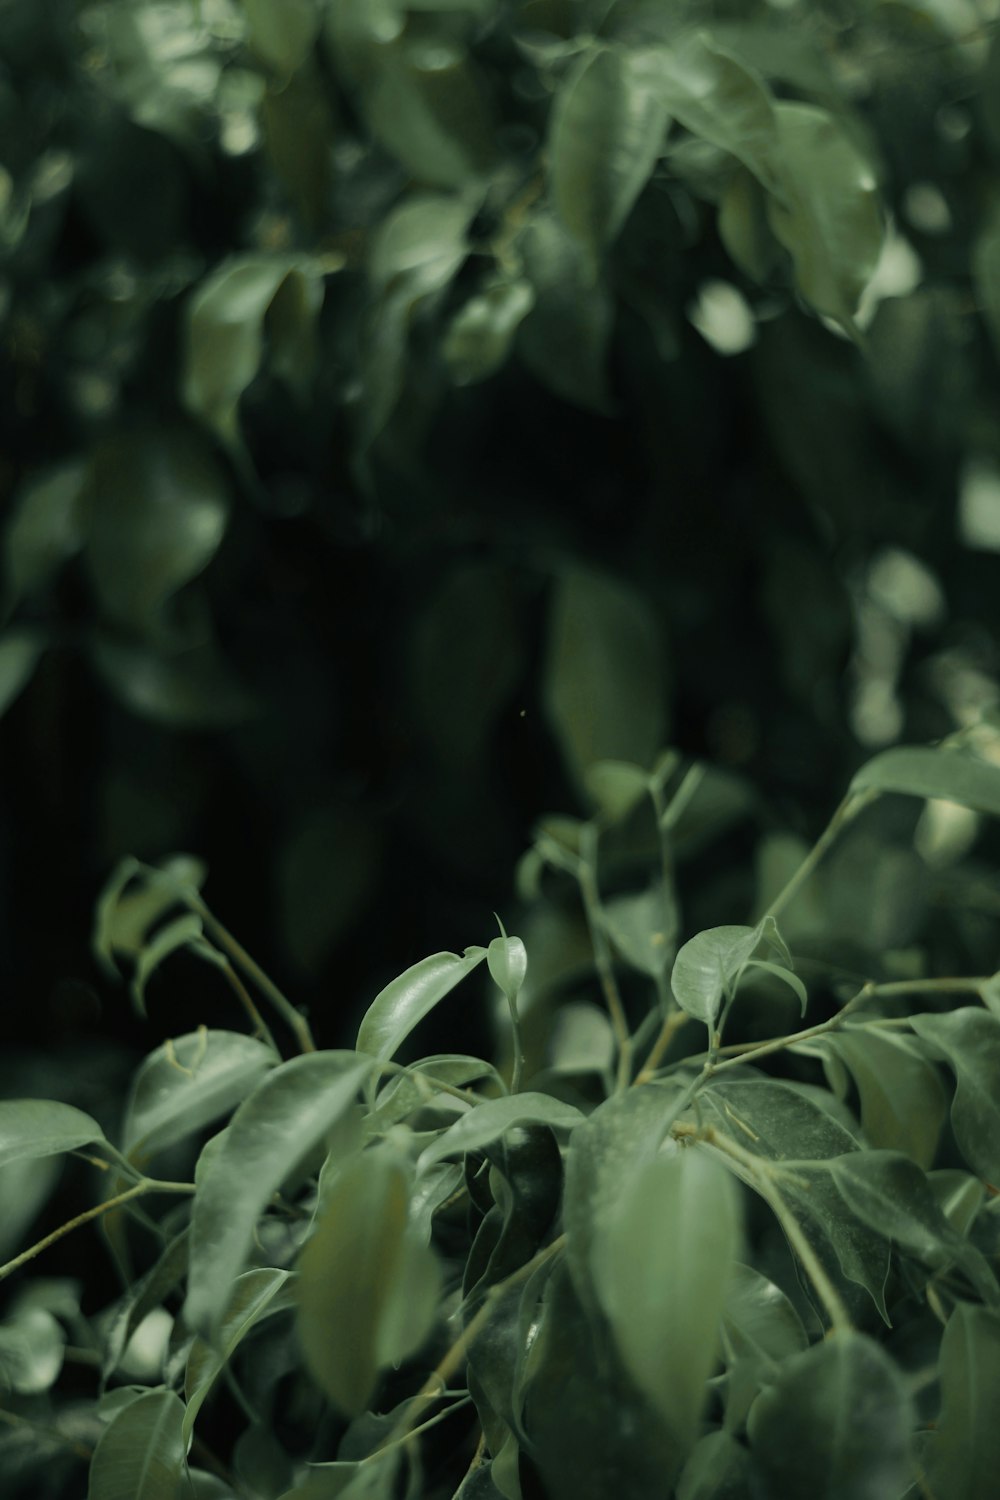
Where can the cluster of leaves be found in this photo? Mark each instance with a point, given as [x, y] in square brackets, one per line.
[481, 335]
[635, 1257]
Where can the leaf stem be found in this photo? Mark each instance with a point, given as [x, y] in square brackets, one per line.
[845, 814]
[292, 1017]
[261, 1028]
[146, 1185]
[587, 876]
[671, 1025]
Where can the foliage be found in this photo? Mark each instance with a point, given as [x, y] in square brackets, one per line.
[498, 386]
[682, 1245]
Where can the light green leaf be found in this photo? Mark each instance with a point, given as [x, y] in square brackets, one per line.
[255, 1295]
[479, 337]
[716, 97]
[122, 920]
[786, 976]
[416, 1087]
[827, 212]
[643, 928]
[140, 1456]
[282, 32]
[661, 1270]
[890, 1194]
[947, 775]
[143, 1297]
[398, 1008]
[159, 507]
[970, 1040]
[603, 686]
[42, 1127]
[367, 1289]
[616, 786]
[606, 132]
[778, 1121]
[287, 1115]
[189, 1082]
[903, 1102]
[32, 1342]
[835, 1425]
[20, 652]
[486, 1121]
[963, 1455]
[508, 963]
[225, 335]
[759, 1320]
[709, 966]
[564, 338]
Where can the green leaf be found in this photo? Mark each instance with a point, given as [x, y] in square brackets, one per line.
[709, 966]
[134, 898]
[759, 1320]
[903, 1102]
[661, 1270]
[827, 212]
[716, 97]
[508, 963]
[603, 685]
[718, 1468]
[616, 786]
[606, 132]
[42, 1127]
[191, 687]
[963, 1455]
[775, 1120]
[285, 1117]
[479, 337]
[143, 1297]
[187, 1083]
[254, 1295]
[140, 1456]
[45, 527]
[563, 340]
[32, 1343]
[398, 1008]
[947, 775]
[970, 1040]
[835, 1425]
[492, 1117]
[616, 1139]
[786, 976]
[643, 928]
[20, 652]
[367, 1288]
[428, 104]
[225, 335]
[158, 510]
[184, 932]
[282, 32]
[890, 1194]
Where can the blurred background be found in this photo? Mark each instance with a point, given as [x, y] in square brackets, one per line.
[350, 511]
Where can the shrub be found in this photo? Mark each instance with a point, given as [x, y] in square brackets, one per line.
[729, 1233]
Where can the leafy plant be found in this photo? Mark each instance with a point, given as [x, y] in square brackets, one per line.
[635, 1255]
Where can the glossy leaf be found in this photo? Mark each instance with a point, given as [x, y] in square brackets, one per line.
[42, 1127]
[508, 963]
[606, 132]
[709, 966]
[493, 1116]
[187, 1083]
[903, 1102]
[835, 1425]
[827, 212]
[717, 98]
[963, 1455]
[287, 1115]
[367, 1289]
[970, 1040]
[661, 1270]
[140, 1456]
[946, 775]
[398, 1008]
[159, 507]
[255, 1295]
[603, 682]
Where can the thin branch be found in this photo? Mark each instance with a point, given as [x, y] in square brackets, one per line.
[261, 1028]
[845, 814]
[292, 1017]
[602, 955]
[147, 1185]
[671, 1025]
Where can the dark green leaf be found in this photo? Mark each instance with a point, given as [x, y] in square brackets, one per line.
[20, 652]
[718, 1468]
[759, 1320]
[44, 528]
[835, 1425]
[43, 1127]
[986, 274]
[564, 337]
[492, 1117]
[188, 688]
[255, 1295]
[948, 775]
[963, 1455]
[398, 1008]
[606, 132]
[140, 1456]
[428, 104]
[479, 337]
[281, 1121]
[970, 1040]
[282, 32]
[183, 933]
